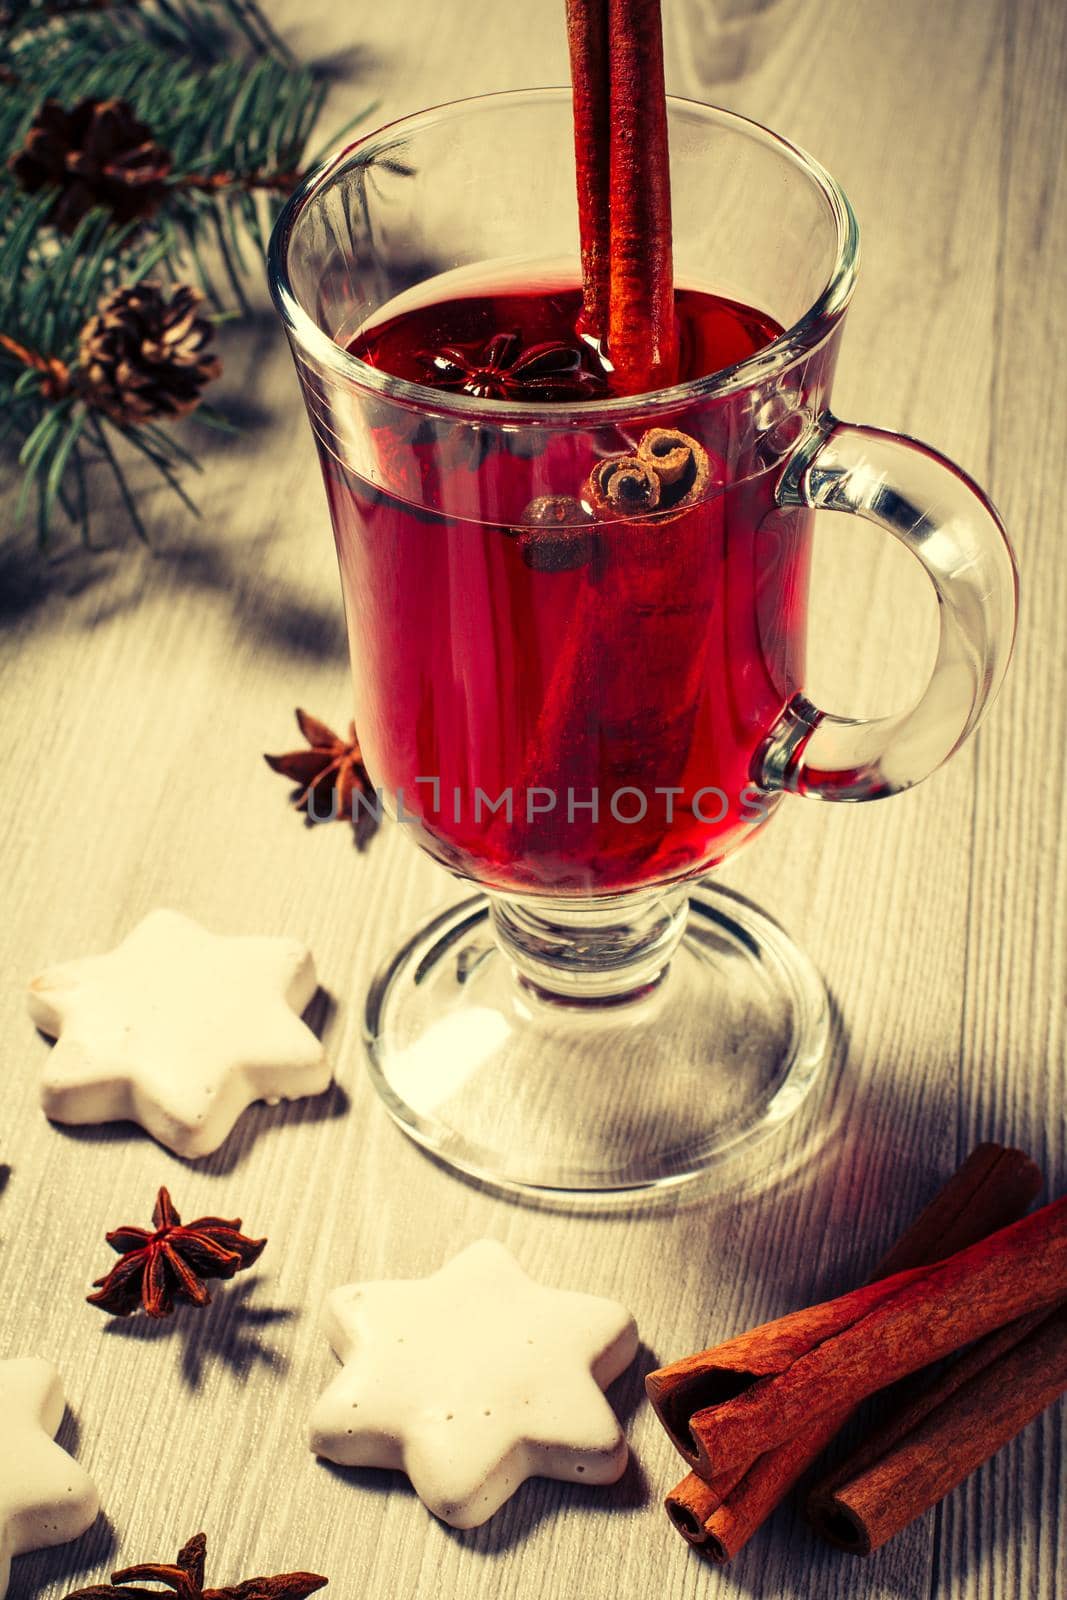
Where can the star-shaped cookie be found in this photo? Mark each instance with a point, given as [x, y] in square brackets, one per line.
[46, 1498]
[472, 1381]
[178, 1029]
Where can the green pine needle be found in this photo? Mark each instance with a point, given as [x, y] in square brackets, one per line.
[223, 96]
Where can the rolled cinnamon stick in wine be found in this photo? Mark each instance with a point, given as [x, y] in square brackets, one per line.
[765, 1387]
[972, 1410]
[992, 1188]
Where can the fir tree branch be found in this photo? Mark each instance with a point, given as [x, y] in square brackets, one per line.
[282, 183]
[230, 115]
[202, 27]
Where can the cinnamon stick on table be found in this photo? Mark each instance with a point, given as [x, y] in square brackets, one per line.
[764, 1388]
[972, 1410]
[992, 1188]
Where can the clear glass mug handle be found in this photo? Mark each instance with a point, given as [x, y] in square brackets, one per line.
[951, 528]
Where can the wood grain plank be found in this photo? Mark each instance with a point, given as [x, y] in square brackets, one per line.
[1013, 1062]
[140, 691]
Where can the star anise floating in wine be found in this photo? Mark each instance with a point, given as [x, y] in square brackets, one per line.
[185, 1578]
[330, 774]
[503, 368]
[170, 1263]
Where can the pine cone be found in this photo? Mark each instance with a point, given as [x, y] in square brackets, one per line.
[97, 154]
[144, 356]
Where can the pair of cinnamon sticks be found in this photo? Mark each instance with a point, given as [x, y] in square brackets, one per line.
[751, 1416]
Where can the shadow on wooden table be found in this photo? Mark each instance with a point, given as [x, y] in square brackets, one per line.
[28, 581]
[344, 65]
[93, 587]
[228, 1332]
[258, 1120]
[262, 1120]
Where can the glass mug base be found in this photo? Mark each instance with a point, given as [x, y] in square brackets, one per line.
[537, 1087]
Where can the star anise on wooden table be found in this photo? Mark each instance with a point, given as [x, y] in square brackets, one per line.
[504, 369]
[185, 1578]
[329, 774]
[160, 1267]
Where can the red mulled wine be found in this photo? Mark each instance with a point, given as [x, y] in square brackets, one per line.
[564, 702]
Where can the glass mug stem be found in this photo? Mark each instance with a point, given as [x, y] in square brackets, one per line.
[592, 952]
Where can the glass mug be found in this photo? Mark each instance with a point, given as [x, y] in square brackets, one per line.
[584, 714]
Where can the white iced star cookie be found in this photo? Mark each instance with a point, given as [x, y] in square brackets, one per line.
[46, 1498]
[472, 1381]
[178, 1029]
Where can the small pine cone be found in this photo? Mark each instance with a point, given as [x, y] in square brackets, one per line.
[143, 355]
[97, 154]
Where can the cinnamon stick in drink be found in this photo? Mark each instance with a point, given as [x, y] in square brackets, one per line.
[624, 192]
[587, 37]
[992, 1188]
[641, 332]
[981, 1402]
[765, 1387]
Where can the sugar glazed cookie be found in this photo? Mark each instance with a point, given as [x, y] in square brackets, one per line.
[46, 1498]
[472, 1381]
[178, 1029]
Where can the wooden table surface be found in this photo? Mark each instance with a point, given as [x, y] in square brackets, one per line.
[139, 690]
